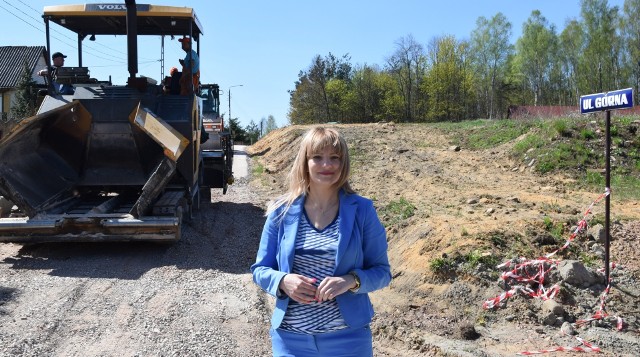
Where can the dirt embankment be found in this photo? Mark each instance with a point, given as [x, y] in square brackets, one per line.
[473, 205]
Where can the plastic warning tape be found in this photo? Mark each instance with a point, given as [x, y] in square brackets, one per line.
[520, 274]
[491, 303]
[542, 266]
[525, 272]
[582, 225]
[586, 347]
[602, 314]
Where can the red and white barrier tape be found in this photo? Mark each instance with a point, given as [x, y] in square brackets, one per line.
[602, 314]
[521, 274]
[586, 347]
[582, 225]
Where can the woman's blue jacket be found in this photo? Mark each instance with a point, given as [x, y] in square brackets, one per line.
[362, 248]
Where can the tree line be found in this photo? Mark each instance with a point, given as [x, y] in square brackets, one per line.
[451, 79]
[252, 132]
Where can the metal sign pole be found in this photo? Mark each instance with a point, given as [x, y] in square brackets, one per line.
[618, 99]
[608, 198]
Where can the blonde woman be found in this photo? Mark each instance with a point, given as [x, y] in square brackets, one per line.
[323, 249]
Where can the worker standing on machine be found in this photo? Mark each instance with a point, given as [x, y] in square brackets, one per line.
[190, 79]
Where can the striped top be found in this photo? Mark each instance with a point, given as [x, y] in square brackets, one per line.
[315, 256]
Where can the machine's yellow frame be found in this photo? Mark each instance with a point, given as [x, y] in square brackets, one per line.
[110, 19]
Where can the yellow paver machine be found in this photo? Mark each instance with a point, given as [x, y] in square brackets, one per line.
[111, 162]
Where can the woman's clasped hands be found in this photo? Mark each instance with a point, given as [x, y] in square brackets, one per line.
[303, 290]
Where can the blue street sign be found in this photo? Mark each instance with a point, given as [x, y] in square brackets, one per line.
[619, 99]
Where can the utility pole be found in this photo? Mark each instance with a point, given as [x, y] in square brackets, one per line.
[229, 92]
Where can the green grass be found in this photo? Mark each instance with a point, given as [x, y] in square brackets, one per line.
[564, 127]
[531, 141]
[258, 168]
[570, 155]
[498, 240]
[587, 134]
[555, 229]
[475, 258]
[397, 211]
[626, 120]
[465, 263]
[622, 187]
[570, 146]
[573, 147]
[357, 157]
[590, 260]
[484, 134]
[441, 265]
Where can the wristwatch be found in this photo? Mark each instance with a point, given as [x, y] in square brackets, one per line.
[357, 279]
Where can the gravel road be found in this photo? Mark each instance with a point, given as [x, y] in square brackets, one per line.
[191, 298]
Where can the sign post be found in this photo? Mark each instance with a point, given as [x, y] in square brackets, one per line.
[619, 99]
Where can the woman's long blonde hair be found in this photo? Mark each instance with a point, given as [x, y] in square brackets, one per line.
[314, 141]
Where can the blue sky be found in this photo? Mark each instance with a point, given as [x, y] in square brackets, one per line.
[263, 45]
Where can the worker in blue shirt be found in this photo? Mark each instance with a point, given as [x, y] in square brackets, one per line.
[190, 69]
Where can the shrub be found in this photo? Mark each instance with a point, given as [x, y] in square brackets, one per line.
[441, 265]
[397, 211]
[587, 134]
[562, 128]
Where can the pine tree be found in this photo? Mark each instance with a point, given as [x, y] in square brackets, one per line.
[26, 95]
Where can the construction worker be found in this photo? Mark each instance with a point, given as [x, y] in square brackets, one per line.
[190, 79]
[58, 61]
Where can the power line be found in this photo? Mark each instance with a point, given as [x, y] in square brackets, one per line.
[65, 39]
[55, 30]
[26, 22]
[19, 18]
[13, 6]
[27, 5]
[89, 48]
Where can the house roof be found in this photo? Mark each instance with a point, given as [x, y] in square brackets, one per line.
[11, 63]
